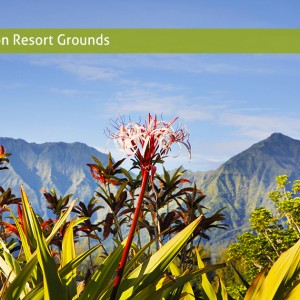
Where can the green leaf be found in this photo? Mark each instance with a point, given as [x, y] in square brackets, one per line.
[222, 292]
[134, 260]
[255, 286]
[295, 293]
[27, 215]
[152, 269]
[27, 251]
[38, 292]
[10, 266]
[53, 288]
[166, 175]
[97, 285]
[281, 275]
[6, 269]
[98, 162]
[120, 190]
[10, 260]
[166, 285]
[129, 266]
[243, 280]
[279, 278]
[207, 287]
[67, 255]
[17, 286]
[127, 174]
[76, 261]
[60, 222]
[187, 289]
[110, 160]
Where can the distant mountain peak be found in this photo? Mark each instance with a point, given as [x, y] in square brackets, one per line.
[242, 183]
[278, 145]
[278, 136]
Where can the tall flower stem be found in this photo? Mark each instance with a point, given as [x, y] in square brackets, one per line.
[137, 211]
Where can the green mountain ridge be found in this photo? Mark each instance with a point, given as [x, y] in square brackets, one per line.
[239, 185]
[242, 183]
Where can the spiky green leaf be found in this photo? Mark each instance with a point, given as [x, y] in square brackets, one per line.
[206, 286]
[280, 276]
[97, 285]
[152, 269]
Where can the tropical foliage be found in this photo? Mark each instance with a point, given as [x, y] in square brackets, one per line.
[272, 234]
[144, 233]
[38, 257]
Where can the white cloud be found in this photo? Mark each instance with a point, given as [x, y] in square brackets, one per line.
[167, 100]
[13, 85]
[85, 69]
[66, 92]
[87, 72]
[260, 126]
[143, 101]
[175, 63]
[200, 64]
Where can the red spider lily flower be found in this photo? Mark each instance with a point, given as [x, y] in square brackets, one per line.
[149, 143]
[148, 140]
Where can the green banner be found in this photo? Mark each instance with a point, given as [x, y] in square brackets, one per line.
[149, 40]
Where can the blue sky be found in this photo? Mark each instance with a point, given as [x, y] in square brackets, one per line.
[228, 102]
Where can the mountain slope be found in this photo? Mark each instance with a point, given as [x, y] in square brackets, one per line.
[239, 185]
[243, 182]
[61, 166]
